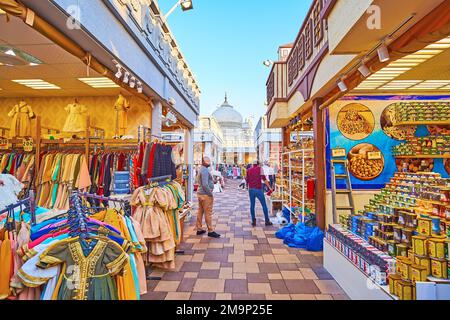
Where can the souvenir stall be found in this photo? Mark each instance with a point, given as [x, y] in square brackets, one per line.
[81, 182]
[394, 137]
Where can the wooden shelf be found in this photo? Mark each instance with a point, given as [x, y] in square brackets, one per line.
[425, 156]
[424, 123]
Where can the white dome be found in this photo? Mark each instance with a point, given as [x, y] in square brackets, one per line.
[227, 117]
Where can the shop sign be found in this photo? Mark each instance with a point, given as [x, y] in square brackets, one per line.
[338, 152]
[27, 145]
[4, 144]
[376, 155]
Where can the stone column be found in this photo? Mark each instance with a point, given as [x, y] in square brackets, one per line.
[157, 119]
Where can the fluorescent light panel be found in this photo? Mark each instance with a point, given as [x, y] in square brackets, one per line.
[99, 83]
[37, 84]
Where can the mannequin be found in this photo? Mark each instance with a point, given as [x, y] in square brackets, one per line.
[21, 115]
[121, 107]
[76, 121]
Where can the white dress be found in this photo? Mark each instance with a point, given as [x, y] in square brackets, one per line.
[9, 190]
[33, 277]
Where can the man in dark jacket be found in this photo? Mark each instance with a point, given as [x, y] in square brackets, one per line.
[205, 199]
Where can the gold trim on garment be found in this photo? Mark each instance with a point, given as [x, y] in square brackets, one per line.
[117, 265]
[29, 280]
[86, 264]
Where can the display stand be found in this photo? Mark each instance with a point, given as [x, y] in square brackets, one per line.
[295, 164]
[356, 284]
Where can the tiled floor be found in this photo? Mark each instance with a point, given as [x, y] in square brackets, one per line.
[245, 264]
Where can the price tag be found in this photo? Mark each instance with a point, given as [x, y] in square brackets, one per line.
[376, 155]
[28, 145]
[4, 144]
[338, 153]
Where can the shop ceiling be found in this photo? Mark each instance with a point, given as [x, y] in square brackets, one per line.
[360, 39]
[425, 71]
[60, 74]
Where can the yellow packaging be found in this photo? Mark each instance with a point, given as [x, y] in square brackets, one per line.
[420, 245]
[404, 290]
[399, 264]
[405, 270]
[439, 268]
[418, 273]
[423, 261]
[436, 248]
[393, 279]
[411, 255]
[425, 226]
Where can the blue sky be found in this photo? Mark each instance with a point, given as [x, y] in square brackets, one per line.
[226, 41]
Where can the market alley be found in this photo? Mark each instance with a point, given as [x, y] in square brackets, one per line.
[246, 263]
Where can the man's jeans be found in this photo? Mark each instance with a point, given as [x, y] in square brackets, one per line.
[258, 194]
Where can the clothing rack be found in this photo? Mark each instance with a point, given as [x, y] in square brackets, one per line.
[28, 203]
[126, 203]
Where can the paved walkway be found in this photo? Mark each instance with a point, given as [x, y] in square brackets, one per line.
[245, 264]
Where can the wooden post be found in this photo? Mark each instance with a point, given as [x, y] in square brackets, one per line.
[320, 163]
[37, 150]
[88, 138]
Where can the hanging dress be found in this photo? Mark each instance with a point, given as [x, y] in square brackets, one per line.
[76, 121]
[21, 115]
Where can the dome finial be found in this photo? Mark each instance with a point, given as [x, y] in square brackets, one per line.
[226, 97]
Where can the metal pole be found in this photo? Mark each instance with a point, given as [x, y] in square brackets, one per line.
[173, 9]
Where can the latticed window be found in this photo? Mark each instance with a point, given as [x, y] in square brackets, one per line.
[318, 23]
[308, 39]
[295, 61]
[291, 71]
[301, 53]
[271, 87]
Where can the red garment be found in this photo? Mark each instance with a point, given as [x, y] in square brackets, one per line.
[121, 162]
[135, 174]
[151, 161]
[140, 159]
[100, 190]
[254, 178]
[13, 165]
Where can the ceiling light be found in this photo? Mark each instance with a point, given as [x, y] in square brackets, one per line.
[342, 86]
[37, 84]
[119, 73]
[99, 83]
[126, 78]
[2, 12]
[139, 87]
[365, 72]
[383, 53]
[132, 82]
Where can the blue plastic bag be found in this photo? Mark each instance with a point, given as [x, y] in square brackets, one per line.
[281, 234]
[315, 240]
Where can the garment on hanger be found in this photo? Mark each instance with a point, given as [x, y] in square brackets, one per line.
[156, 210]
[76, 120]
[21, 115]
[9, 191]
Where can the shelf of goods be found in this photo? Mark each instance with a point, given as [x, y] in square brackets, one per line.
[433, 147]
[359, 268]
[297, 169]
[410, 221]
[422, 113]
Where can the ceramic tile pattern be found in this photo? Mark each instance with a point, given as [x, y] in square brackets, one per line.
[245, 264]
